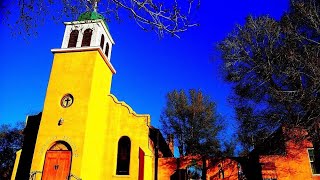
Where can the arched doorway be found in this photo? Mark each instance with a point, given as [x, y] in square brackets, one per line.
[57, 162]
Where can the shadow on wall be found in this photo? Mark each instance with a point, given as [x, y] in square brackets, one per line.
[30, 136]
[287, 154]
[284, 155]
[180, 168]
[229, 168]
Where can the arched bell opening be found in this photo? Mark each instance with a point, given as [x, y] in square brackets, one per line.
[73, 39]
[107, 50]
[102, 42]
[86, 40]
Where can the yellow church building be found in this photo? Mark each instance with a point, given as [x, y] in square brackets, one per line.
[84, 132]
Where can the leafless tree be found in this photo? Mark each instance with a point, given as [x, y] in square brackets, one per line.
[164, 17]
[274, 68]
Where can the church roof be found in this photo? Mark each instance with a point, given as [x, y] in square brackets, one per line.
[163, 146]
[91, 15]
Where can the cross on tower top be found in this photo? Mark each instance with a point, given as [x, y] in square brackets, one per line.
[94, 4]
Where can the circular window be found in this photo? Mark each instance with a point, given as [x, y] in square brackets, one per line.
[66, 101]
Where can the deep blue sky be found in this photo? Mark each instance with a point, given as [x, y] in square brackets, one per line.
[147, 67]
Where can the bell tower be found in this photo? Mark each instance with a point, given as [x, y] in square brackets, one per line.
[89, 31]
[71, 136]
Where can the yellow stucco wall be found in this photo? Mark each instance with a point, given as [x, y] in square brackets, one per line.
[15, 166]
[94, 123]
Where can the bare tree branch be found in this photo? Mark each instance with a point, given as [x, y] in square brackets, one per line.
[167, 17]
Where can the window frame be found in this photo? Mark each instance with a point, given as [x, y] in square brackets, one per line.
[311, 162]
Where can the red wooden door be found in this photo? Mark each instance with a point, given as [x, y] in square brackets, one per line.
[141, 164]
[57, 165]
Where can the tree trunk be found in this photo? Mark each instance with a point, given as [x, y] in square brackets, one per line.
[180, 150]
[204, 168]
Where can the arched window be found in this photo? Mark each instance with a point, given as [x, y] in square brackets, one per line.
[123, 160]
[102, 42]
[73, 38]
[86, 37]
[107, 50]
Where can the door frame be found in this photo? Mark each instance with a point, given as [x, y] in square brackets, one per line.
[58, 146]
